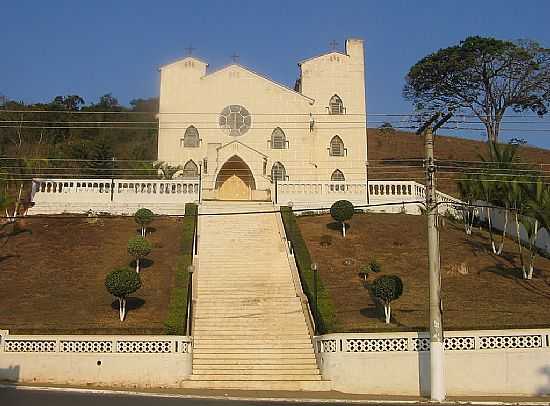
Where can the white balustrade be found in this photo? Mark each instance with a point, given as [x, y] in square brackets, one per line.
[114, 196]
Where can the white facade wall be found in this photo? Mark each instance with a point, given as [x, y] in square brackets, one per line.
[119, 361]
[477, 363]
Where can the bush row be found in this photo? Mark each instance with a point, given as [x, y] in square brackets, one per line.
[177, 309]
[324, 316]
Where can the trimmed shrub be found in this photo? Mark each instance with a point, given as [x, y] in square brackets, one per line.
[386, 289]
[143, 217]
[139, 247]
[342, 211]
[120, 283]
[325, 316]
[176, 319]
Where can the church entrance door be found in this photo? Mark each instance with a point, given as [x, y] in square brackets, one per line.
[235, 180]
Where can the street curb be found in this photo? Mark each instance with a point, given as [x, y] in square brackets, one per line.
[273, 399]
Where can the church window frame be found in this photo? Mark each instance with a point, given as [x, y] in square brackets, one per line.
[336, 105]
[337, 147]
[337, 176]
[278, 172]
[190, 170]
[278, 139]
[191, 138]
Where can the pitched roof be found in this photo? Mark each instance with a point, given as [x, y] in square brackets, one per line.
[259, 75]
[319, 56]
[183, 59]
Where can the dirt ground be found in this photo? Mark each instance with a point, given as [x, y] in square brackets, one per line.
[52, 276]
[491, 295]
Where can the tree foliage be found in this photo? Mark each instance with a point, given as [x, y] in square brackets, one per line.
[484, 76]
[120, 283]
[143, 217]
[341, 211]
[139, 247]
[387, 288]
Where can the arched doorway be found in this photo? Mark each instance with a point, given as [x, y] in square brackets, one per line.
[235, 180]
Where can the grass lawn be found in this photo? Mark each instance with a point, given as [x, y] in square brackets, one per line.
[52, 276]
[491, 295]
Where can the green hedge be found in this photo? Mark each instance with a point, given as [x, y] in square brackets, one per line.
[177, 309]
[324, 316]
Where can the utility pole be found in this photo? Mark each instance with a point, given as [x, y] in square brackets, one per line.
[437, 345]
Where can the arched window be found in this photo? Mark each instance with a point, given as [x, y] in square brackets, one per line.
[191, 137]
[190, 170]
[335, 105]
[278, 172]
[336, 146]
[337, 175]
[278, 139]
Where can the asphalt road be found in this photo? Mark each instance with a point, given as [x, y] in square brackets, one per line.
[32, 397]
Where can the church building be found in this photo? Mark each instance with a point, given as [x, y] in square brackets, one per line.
[242, 133]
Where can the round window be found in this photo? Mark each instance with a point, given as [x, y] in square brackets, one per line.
[236, 119]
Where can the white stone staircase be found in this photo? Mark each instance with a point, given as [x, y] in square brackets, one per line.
[249, 329]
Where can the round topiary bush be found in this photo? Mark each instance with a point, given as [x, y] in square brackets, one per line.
[387, 288]
[143, 217]
[120, 283]
[139, 247]
[342, 211]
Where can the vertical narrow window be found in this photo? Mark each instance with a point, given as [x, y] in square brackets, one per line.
[190, 170]
[278, 172]
[278, 139]
[336, 146]
[337, 175]
[335, 105]
[191, 137]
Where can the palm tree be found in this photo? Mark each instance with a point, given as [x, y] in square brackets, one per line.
[470, 192]
[537, 214]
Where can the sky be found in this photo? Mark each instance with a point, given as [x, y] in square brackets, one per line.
[52, 48]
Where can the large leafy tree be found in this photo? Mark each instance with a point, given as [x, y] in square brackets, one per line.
[483, 76]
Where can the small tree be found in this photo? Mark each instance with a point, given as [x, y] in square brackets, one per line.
[139, 247]
[120, 283]
[341, 211]
[143, 217]
[387, 288]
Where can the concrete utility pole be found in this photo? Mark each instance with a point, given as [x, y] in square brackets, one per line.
[437, 351]
[437, 345]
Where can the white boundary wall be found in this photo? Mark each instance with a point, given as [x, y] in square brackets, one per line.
[497, 220]
[118, 196]
[130, 361]
[502, 362]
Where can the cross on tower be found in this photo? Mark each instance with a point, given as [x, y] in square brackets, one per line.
[190, 49]
[333, 44]
[235, 57]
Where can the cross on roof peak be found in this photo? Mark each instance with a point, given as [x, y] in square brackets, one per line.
[333, 45]
[235, 57]
[190, 49]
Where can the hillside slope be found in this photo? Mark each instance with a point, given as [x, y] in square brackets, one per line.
[384, 147]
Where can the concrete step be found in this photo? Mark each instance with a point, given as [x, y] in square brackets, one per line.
[258, 357]
[243, 342]
[268, 345]
[257, 377]
[253, 351]
[306, 385]
[238, 368]
[252, 363]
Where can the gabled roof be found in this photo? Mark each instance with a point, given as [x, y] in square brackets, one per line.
[263, 77]
[244, 145]
[319, 56]
[183, 59]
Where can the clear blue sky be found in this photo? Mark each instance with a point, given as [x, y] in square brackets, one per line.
[91, 48]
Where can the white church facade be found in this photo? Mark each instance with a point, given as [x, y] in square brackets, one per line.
[238, 135]
[244, 132]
